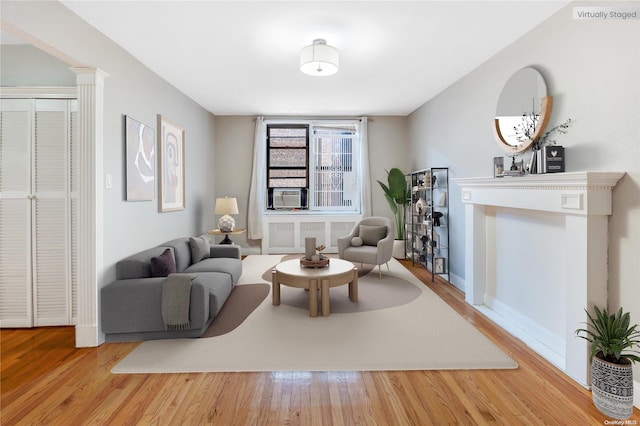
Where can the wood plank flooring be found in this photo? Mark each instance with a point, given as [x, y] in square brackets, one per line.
[45, 380]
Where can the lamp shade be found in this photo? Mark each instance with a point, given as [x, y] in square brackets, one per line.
[319, 59]
[226, 205]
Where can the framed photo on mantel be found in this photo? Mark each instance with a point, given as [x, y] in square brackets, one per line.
[172, 172]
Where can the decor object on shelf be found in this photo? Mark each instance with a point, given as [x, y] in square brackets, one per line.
[398, 197]
[171, 176]
[537, 162]
[552, 159]
[141, 160]
[319, 59]
[524, 97]
[498, 166]
[612, 339]
[226, 206]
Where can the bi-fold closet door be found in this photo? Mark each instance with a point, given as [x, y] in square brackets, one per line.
[38, 204]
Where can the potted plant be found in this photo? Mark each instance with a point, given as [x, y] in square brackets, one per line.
[612, 339]
[397, 194]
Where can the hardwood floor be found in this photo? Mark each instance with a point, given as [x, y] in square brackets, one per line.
[45, 380]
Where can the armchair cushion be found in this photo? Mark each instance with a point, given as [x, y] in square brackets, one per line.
[370, 235]
[356, 242]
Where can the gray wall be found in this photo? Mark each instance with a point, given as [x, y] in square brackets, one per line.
[591, 69]
[388, 147]
[25, 65]
[131, 89]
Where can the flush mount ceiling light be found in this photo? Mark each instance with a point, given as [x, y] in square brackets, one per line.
[319, 59]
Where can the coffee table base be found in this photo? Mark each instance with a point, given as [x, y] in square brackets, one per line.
[313, 285]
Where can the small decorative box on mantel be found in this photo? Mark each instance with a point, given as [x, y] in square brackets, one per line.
[552, 159]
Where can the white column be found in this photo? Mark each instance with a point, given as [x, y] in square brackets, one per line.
[586, 278]
[475, 282]
[90, 83]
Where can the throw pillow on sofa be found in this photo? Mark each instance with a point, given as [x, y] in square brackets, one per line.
[200, 248]
[370, 235]
[163, 265]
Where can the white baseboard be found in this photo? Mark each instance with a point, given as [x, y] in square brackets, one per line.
[87, 336]
[457, 282]
[538, 339]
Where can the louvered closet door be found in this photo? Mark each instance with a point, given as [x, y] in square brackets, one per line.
[73, 207]
[50, 223]
[15, 213]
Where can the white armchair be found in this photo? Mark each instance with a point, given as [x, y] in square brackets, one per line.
[370, 241]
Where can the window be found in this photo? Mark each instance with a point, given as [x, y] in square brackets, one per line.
[313, 166]
[287, 156]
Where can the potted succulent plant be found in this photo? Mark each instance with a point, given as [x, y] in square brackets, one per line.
[612, 339]
[397, 194]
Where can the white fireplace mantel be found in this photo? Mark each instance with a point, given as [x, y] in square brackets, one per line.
[583, 199]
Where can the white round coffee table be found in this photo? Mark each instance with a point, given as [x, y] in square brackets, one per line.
[339, 272]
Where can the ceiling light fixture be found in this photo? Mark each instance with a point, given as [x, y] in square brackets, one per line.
[319, 59]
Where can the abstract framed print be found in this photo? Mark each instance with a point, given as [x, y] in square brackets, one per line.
[171, 156]
[141, 160]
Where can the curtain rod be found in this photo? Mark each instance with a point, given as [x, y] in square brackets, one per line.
[291, 117]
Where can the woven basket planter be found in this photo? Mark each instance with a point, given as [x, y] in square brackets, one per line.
[612, 388]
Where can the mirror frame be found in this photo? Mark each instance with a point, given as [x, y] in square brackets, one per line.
[546, 104]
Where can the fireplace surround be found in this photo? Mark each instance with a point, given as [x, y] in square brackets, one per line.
[536, 257]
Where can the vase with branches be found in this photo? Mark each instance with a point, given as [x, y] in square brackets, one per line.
[526, 132]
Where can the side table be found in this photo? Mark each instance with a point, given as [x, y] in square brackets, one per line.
[226, 239]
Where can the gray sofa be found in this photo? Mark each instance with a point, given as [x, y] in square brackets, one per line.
[131, 306]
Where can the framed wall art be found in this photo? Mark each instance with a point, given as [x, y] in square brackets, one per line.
[141, 160]
[171, 173]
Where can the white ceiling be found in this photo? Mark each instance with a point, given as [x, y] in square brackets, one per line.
[241, 57]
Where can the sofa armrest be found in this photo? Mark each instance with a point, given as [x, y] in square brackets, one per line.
[135, 306]
[345, 241]
[225, 250]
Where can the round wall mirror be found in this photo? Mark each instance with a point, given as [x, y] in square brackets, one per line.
[523, 111]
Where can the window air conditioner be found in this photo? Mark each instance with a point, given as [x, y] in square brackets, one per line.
[287, 198]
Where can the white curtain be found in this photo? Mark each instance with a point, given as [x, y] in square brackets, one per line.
[257, 190]
[366, 176]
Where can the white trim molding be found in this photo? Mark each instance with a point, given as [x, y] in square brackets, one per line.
[90, 198]
[583, 200]
[28, 92]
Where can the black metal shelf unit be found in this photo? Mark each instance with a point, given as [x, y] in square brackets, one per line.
[428, 220]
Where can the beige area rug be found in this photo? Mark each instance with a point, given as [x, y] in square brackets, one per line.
[422, 333]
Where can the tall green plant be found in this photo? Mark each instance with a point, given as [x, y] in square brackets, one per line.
[612, 335]
[397, 194]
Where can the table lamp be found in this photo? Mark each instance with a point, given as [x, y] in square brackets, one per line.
[226, 206]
